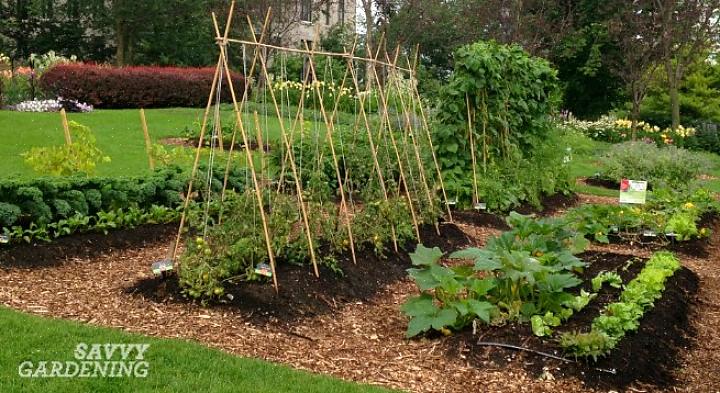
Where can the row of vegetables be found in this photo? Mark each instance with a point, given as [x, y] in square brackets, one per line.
[46, 208]
[532, 273]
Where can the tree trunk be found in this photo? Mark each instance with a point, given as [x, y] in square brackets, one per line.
[674, 76]
[121, 44]
[675, 105]
[635, 114]
[369, 44]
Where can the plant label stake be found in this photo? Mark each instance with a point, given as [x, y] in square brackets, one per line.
[481, 206]
[4, 239]
[162, 267]
[649, 233]
[264, 270]
[633, 191]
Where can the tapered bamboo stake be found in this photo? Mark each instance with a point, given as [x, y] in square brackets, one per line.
[330, 129]
[66, 127]
[246, 88]
[484, 130]
[426, 127]
[373, 149]
[382, 94]
[320, 53]
[193, 173]
[416, 148]
[298, 182]
[298, 122]
[261, 145]
[471, 131]
[148, 144]
[248, 153]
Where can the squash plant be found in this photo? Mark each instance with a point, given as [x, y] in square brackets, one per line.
[523, 275]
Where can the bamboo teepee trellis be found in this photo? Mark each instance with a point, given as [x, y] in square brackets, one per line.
[405, 154]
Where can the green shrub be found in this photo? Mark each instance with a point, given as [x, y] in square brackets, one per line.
[81, 156]
[511, 96]
[662, 167]
[8, 214]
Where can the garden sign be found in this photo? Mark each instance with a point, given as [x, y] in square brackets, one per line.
[633, 191]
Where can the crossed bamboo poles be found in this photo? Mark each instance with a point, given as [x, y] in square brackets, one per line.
[405, 165]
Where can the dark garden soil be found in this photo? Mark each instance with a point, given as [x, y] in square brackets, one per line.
[352, 327]
[604, 183]
[84, 246]
[550, 206]
[303, 295]
[649, 356]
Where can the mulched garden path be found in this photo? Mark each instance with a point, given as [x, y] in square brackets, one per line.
[353, 328]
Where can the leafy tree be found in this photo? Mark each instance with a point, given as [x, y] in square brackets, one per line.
[687, 27]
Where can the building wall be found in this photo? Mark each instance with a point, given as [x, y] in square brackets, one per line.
[326, 14]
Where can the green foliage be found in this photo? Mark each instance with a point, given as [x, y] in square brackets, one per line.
[511, 96]
[15, 90]
[47, 200]
[698, 97]
[81, 156]
[8, 214]
[613, 279]
[523, 275]
[668, 213]
[661, 167]
[624, 316]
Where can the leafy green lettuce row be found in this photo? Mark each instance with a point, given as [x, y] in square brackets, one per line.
[624, 316]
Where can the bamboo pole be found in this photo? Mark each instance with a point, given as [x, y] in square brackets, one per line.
[416, 148]
[382, 94]
[472, 150]
[196, 163]
[298, 184]
[233, 140]
[260, 143]
[66, 127]
[373, 148]
[426, 127]
[248, 153]
[321, 53]
[148, 143]
[330, 129]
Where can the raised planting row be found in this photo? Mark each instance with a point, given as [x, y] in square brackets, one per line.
[668, 215]
[525, 273]
[46, 208]
[624, 316]
[234, 247]
[531, 274]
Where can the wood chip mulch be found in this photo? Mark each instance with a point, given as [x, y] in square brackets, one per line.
[361, 341]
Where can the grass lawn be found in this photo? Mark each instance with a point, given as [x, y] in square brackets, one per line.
[587, 161]
[174, 365]
[118, 132]
[119, 135]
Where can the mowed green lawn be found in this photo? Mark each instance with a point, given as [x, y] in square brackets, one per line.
[173, 365]
[119, 135]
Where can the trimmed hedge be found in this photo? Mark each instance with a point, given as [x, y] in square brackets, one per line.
[135, 87]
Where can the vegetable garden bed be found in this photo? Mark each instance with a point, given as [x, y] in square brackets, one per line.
[649, 356]
[352, 326]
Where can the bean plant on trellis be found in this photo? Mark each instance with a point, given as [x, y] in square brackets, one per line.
[326, 188]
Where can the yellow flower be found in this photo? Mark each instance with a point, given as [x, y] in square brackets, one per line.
[689, 205]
